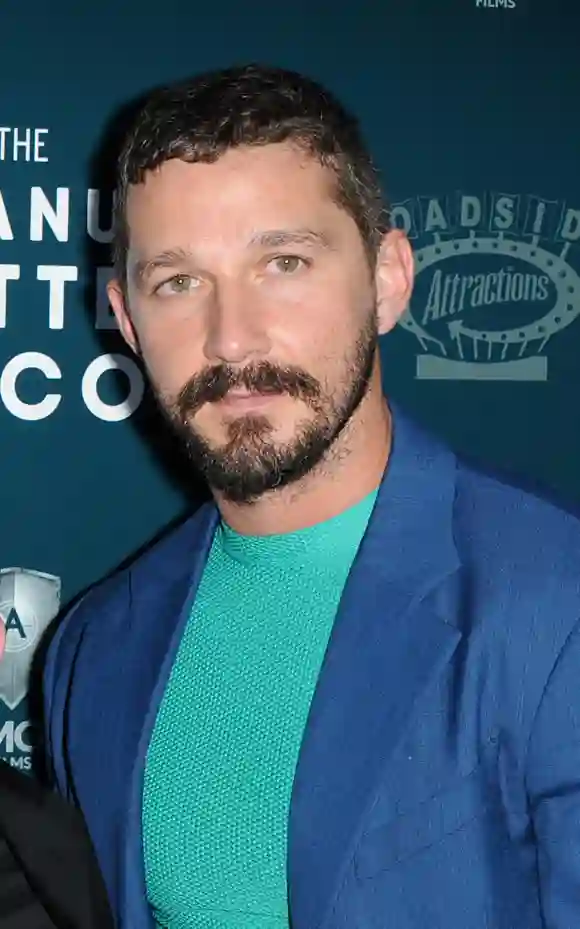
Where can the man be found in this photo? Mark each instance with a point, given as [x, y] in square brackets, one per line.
[345, 693]
[49, 878]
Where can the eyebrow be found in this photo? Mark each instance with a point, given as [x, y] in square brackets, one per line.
[144, 267]
[271, 238]
[278, 238]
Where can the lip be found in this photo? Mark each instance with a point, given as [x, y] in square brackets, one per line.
[245, 401]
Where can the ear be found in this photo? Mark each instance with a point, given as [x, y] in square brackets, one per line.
[118, 301]
[393, 278]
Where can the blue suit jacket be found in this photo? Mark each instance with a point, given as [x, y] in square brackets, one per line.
[438, 785]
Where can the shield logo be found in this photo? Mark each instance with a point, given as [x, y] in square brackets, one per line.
[29, 601]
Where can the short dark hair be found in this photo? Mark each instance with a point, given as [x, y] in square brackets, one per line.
[200, 119]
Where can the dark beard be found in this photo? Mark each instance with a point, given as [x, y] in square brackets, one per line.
[249, 464]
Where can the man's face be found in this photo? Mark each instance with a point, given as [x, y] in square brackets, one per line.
[251, 300]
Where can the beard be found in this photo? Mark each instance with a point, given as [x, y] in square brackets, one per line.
[251, 463]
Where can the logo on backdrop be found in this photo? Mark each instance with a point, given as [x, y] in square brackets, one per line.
[29, 601]
[497, 280]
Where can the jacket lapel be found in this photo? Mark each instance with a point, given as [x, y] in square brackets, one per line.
[389, 640]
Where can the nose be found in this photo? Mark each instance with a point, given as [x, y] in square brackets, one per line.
[236, 329]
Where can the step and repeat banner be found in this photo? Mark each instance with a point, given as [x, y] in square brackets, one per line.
[471, 110]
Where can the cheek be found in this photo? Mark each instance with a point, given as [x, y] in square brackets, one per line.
[318, 324]
[170, 358]
[324, 345]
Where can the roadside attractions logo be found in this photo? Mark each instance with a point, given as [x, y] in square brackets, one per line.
[496, 280]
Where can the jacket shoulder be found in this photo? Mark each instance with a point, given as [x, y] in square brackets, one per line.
[517, 519]
[520, 551]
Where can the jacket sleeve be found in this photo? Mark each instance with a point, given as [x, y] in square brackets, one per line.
[20, 907]
[553, 782]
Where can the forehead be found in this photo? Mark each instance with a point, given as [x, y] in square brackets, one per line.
[247, 186]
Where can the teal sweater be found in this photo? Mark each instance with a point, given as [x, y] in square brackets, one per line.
[224, 749]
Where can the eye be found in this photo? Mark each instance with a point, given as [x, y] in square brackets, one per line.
[288, 264]
[178, 284]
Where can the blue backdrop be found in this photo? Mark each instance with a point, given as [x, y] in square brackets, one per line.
[471, 110]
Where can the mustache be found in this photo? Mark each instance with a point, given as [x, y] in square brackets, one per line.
[212, 384]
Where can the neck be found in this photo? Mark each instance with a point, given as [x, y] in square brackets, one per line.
[353, 469]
